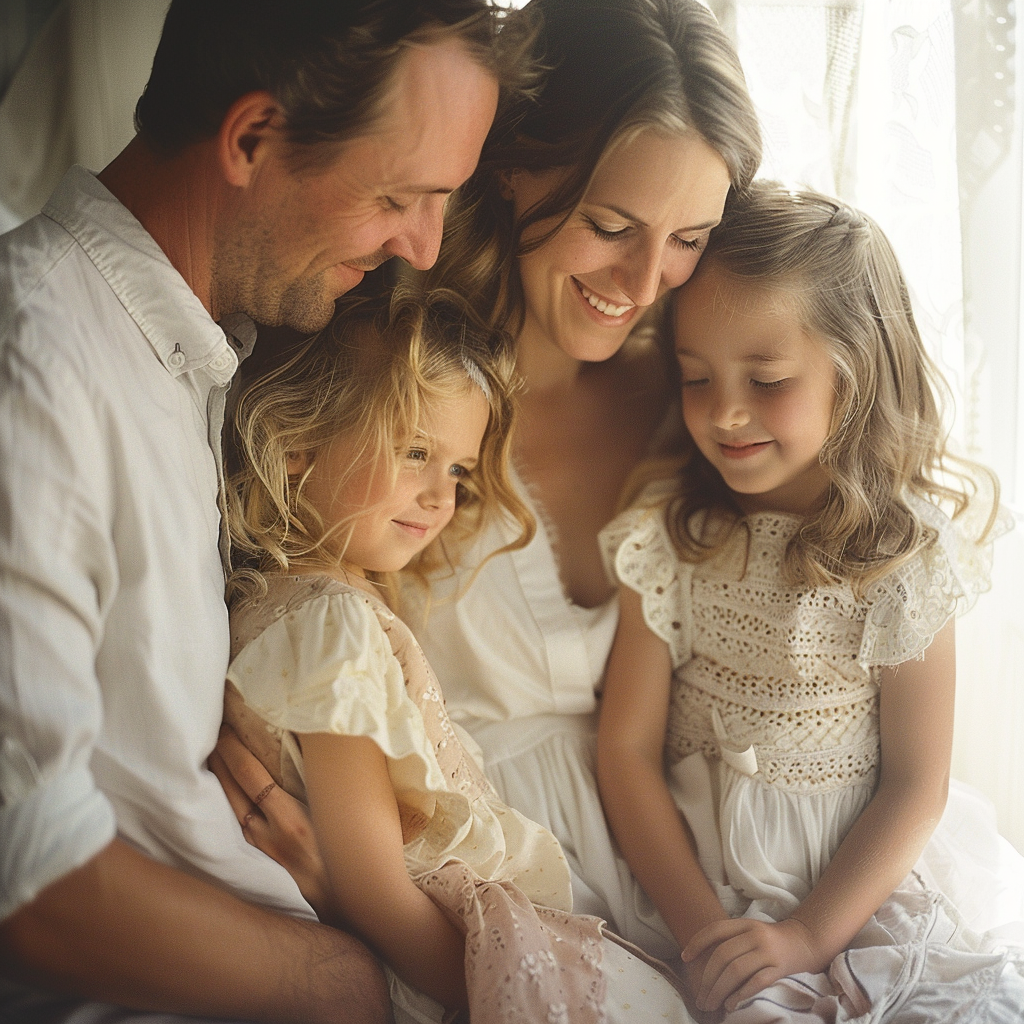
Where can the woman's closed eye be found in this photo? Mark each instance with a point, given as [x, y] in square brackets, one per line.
[608, 233]
[770, 385]
[620, 233]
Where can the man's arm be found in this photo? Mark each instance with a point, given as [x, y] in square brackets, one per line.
[126, 929]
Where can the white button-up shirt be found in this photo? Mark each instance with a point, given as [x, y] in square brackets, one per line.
[113, 629]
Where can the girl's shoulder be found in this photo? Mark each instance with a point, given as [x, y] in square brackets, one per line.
[943, 578]
[313, 654]
[288, 596]
[638, 553]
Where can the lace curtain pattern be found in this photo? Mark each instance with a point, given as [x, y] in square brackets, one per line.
[911, 109]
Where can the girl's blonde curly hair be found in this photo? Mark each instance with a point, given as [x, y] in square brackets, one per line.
[887, 438]
[370, 375]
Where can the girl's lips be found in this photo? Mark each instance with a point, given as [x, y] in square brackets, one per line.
[603, 318]
[414, 529]
[742, 451]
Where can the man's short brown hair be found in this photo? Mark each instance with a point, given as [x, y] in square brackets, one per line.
[328, 63]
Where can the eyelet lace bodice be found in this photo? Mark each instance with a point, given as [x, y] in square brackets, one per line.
[791, 672]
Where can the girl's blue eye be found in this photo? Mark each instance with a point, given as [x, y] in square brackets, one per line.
[459, 472]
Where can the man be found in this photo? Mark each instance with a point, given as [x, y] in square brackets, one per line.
[283, 150]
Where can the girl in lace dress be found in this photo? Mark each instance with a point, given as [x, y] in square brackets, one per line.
[783, 670]
[355, 454]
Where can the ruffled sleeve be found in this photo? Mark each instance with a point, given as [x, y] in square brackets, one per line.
[327, 666]
[638, 553]
[909, 606]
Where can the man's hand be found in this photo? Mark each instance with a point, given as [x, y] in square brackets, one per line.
[743, 957]
[272, 820]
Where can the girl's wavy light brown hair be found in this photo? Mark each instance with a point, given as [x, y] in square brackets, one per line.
[887, 439]
[614, 68]
[370, 376]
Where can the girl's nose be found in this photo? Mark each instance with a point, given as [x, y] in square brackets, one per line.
[728, 413]
[438, 489]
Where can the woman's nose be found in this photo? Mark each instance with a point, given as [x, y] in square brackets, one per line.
[641, 274]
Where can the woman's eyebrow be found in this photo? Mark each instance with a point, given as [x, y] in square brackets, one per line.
[633, 218]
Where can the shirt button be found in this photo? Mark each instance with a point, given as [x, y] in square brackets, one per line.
[222, 362]
[176, 360]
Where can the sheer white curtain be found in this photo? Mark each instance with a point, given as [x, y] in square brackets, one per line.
[911, 109]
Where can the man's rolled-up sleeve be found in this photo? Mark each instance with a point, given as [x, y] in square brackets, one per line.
[58, 573]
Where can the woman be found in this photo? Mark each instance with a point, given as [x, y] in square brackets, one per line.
[590, 202]
[587, 207]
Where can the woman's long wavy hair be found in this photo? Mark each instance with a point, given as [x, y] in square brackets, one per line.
[887, 438]
[370, 377]
[614, 68]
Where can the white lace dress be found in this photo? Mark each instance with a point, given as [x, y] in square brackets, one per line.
[318, 655]
[772, 752]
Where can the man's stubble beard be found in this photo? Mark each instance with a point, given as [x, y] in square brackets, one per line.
[246, 278]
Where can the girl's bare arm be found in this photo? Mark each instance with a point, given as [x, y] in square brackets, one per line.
[652, 834]
[356, 821]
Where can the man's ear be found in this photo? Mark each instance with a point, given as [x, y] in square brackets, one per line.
[245, 135]
[296, 463]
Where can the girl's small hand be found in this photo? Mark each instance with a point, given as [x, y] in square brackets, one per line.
[272, 820]
[693, 976]
[747, 956]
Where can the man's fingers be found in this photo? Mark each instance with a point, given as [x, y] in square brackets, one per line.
[243, 765]
[240, 803]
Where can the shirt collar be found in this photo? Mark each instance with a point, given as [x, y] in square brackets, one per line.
[174, 321]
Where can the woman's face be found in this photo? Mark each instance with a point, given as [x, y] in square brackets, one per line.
[639, 231]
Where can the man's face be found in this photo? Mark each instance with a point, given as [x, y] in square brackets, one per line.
[296, 240]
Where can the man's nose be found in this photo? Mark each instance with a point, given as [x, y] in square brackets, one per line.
[419, 240]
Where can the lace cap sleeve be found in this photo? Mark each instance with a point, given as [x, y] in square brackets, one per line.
[327, 666]
[910, 605]
[638, 553]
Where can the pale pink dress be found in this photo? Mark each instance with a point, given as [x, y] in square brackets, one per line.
[319, 655]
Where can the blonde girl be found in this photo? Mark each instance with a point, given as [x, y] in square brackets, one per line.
[355, 454]
[785, 647]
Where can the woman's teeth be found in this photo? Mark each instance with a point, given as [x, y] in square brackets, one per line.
[601, 305]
